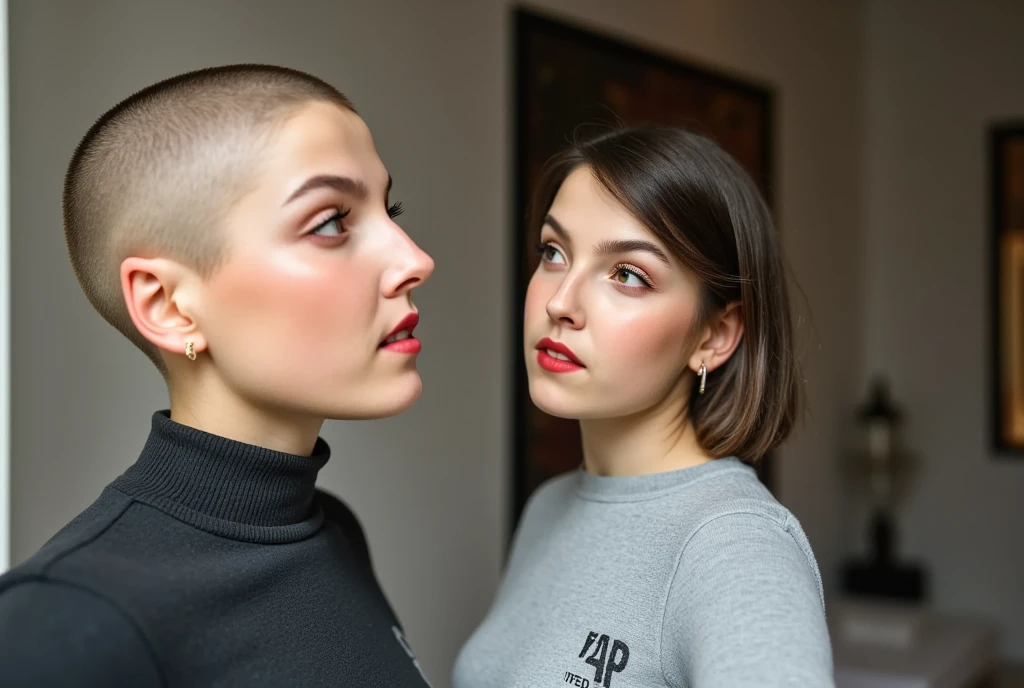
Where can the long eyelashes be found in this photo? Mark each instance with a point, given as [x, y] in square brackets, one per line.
[548, 253]
[338, 215]
[635, 272]
[543, 249]
[334, 218]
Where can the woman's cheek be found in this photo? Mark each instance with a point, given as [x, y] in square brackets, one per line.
[538, 293]
[637, 343]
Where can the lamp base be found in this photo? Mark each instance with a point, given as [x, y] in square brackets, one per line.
[890, 581]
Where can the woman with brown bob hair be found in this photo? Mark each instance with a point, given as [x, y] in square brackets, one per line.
[658, 317]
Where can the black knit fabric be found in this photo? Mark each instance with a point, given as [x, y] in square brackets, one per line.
[209, 562]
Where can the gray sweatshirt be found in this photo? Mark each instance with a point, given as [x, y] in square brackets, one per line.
[696, 577]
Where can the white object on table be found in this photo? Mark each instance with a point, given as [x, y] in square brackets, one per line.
[919, 650]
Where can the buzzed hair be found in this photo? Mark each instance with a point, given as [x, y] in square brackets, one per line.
[157, 173]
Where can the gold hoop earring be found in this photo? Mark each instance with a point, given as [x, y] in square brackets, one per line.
[190, 351]
[703, 377]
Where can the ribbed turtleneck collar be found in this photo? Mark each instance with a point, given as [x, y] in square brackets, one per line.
[226, 487]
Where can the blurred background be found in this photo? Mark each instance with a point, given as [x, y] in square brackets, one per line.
[893, 190]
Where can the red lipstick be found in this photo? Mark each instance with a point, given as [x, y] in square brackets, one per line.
[553, 364]
[402, 341]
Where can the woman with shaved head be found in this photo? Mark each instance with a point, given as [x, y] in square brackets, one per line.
[233, 223]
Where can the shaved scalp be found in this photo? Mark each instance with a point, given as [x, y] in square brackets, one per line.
[157, 173]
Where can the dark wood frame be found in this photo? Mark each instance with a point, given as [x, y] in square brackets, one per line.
[525, 21]
[1000, 137]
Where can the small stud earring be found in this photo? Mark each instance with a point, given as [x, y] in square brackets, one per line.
[190, 351]
[703, 377]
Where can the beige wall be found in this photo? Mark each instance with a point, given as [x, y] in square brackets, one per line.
[432, 79]
[936, 80]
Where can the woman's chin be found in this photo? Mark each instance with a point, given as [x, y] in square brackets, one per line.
[385, 401]
[554, 400]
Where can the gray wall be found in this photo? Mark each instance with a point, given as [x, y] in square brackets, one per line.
[5, 301]
[935, 81]
[432, 80]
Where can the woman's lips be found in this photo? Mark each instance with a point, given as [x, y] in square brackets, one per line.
[556, 357]
[400, 339]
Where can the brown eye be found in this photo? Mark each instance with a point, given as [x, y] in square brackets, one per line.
[550, 254]
[332, 226]
[631, 277]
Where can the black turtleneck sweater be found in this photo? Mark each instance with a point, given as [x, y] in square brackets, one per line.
[207, 563]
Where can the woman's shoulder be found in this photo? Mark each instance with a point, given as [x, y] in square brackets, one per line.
[745, 534]
[751, 521]
[746, 571]
[734, 494]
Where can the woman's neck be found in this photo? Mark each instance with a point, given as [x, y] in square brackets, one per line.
[657, 440]
[219, 411]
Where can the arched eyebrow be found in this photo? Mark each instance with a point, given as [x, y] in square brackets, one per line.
[611, 246]
[356, 187]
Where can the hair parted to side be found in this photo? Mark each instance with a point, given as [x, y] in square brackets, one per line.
[705, 208]
[155, 175]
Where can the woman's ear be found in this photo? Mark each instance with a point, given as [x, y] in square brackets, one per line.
[158, 294]
[720, 339]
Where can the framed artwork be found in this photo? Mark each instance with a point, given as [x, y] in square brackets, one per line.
[1007, 284]
[567, 77]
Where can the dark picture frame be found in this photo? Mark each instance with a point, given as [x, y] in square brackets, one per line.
[1006, 270]
[566, 77]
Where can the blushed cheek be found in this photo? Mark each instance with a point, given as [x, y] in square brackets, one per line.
[535, 310]
[650, 345]
[318, 314]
